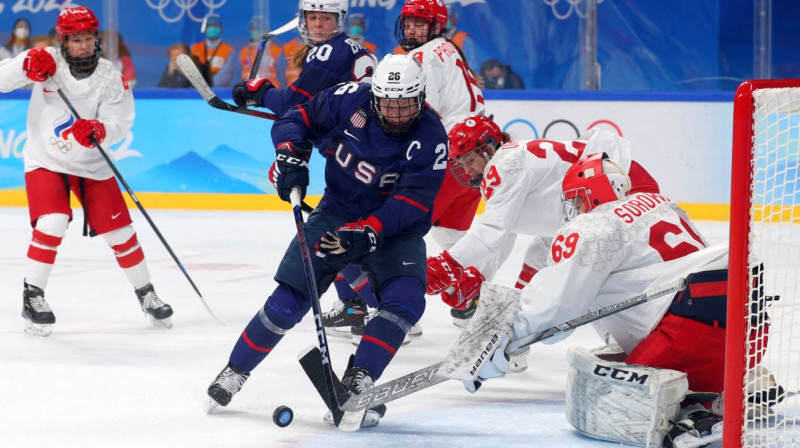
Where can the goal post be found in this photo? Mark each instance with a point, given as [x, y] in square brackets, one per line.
[763, 317]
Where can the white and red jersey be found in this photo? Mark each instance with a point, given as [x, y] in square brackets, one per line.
[617, 251]
[522, 190]
[450, 88]
[103, 96]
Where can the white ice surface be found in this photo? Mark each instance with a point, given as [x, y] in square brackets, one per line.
[107, 378]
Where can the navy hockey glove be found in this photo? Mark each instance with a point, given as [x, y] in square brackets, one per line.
[290, 169]
[250, 92]
[351, 241]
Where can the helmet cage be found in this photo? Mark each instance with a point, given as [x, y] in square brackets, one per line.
[409, 118]
[74, 21]
[462, 166]
[431, 11]
[591, 182]
[338, 7]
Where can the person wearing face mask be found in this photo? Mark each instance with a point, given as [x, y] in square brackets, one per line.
[356, 27]
[20, 39]
[269, 61]
[217, 59]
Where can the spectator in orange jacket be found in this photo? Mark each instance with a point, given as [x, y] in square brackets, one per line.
[217, 59]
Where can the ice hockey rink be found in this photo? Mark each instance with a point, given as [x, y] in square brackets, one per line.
[107, 378]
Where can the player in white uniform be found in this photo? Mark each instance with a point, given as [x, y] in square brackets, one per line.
[521, 185]
[60, 156]
[619, 246]
[453, 92]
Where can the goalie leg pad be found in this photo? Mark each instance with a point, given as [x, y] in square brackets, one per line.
[622, 402]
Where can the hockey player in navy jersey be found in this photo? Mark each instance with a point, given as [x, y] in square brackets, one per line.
[386, 158]
[328, 58]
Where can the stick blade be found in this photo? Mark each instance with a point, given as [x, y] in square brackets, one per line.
[192, 73]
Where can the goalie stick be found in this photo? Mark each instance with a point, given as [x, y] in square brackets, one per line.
[135, 200]
[428, 376]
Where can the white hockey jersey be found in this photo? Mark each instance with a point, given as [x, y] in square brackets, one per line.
[450, 88]
[103, 96]
[617, 251]
[522, 191]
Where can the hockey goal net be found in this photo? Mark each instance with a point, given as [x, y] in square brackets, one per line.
[762, 372]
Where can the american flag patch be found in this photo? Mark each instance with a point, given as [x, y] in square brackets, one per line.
[359, 119]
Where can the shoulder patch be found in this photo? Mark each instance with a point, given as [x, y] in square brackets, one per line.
[359, 118]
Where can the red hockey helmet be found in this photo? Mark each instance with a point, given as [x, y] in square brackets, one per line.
[591, 182]
[79, 19]
[432, 11]
[76, 20]
[473, 142]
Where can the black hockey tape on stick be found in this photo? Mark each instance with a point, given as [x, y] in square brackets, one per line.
[192, 73]
[428, 376]
[136, 201]
[311, 284]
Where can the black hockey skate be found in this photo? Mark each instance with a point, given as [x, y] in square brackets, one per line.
[345, 313]
[39, 318]
[699, 428]
[461, 318]
[153, 307]
[225, 386]
[357, 381]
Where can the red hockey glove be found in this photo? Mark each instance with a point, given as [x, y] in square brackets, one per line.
[351, 241]
[83, 130]
[467, 289]
[443, 271]
[38, 64]
[247, 93]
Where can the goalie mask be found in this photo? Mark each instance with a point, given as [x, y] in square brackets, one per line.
[591, 182]
[431, 11]
[73, 22]
[398, 93]
[473, 142]
[336, 7]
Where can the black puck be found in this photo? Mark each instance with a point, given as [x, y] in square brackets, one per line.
[283, 416]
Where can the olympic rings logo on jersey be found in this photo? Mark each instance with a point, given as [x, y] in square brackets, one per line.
[61, 146]
[559, 129]
[183, 7]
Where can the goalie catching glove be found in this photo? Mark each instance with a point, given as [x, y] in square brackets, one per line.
[351, 241]
[250, 92]
[290, 169]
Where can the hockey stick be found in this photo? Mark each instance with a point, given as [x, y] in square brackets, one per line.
[427, 376]
[192, 73]
[349, 421]
[260, 53]
[135, 199]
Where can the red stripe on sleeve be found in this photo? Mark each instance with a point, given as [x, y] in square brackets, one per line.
[305, 115]
[412, 202]
[300, 91]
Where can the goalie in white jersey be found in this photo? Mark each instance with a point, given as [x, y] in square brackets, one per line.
[60, 157]
[615, 246]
